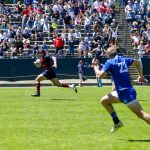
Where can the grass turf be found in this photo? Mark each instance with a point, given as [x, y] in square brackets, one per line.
[62, 120]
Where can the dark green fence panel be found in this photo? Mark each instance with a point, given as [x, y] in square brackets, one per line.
[23, 69]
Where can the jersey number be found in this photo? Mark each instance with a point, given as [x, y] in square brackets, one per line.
[123, 67]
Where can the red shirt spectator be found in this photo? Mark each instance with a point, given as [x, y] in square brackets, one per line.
[58, 42]
[25, 12]
[39, 11]
[30, 9]
[102, 8]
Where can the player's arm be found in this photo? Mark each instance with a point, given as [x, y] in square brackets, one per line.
[100, 73]
[141, 77]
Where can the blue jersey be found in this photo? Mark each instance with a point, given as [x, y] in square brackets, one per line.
[118, 67]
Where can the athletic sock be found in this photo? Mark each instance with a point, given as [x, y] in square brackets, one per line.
[65, 85]
[38, 88]
[115, 118]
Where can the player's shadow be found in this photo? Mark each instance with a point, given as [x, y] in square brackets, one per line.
[143, 100]
[63, 99]
[138, 140]
[132, 140]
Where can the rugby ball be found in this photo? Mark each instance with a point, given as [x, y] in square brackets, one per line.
[37, 63]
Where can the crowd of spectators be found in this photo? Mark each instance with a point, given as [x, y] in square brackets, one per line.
[138, 18]
[87, 27]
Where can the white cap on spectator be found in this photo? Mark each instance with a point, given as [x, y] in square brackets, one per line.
[26, 28]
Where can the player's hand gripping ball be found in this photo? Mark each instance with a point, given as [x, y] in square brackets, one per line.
[37, 63]
[94, 62]
[142, 80]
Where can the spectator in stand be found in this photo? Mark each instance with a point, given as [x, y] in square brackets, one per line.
[7, 11]
[88, 38]
[17, 14]
[142, 27]
[26, 35]
[114, 34]
[62, 15]
[3, 36]
[27, 2]
[144, 38]
[57, 7]
[25, 14]
[78, 22]
[5, 48]
[77, 37]
[136, 7]
[59, 45]
[67, 22]
[2, 4]
[34, 33]
[147, 48]
[87, 24]
[56, 16]
[30, 22]
[96, 4]
[128, 7]
[82, 49]
[102, 9]
[130, 16]
[134, 26]
[27, 49]
[11, 35]
[64, 37]
[71, 10]
[143, 11]
[76, 9]
[141, 47]
[98, 51]
[136, 39]
[71, 44]
[147, 33]
[81, 7]
[4, 22]
[12, 50]
[18, 45]
[70, 34]
[96, 28]
[35, 50]
[44, 47]
[54, 24]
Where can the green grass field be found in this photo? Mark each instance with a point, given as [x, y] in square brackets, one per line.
[63, 120]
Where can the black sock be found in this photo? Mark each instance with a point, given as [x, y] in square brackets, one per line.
[115, 118]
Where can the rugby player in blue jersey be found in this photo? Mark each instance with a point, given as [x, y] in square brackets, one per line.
[124, 92]
[49, 66]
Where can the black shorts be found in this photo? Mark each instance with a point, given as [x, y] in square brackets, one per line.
[49, 74]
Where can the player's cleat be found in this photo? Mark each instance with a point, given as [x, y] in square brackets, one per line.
[116, 127]
[74, 88]
[36, 95]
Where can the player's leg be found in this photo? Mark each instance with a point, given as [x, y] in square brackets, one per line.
[38, 80]
[56, 82]
[80, 79]
[138, 110]
[107, 101]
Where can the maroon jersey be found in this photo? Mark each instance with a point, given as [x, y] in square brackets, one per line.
[47, 62]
